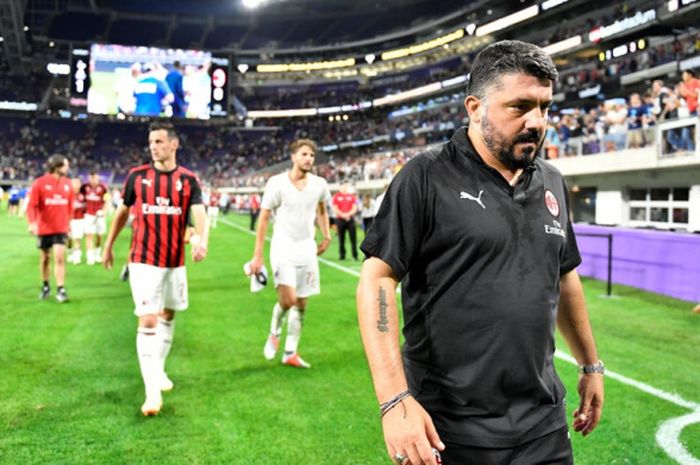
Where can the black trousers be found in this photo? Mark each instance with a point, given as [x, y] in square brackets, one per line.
[349, 226]
[550, 449]
[253, 218]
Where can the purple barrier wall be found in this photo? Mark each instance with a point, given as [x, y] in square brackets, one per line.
[664, 262]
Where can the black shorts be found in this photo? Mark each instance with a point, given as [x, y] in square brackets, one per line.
[49, 240]
[551, 449]
[13, 203]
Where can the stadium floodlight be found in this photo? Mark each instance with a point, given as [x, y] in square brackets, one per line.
[508, 21]
[2, 39]
[300, 67]
[563, 45]
[423, 46]
[252, 4]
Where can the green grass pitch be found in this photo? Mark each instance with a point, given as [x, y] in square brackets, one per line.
[70, 388]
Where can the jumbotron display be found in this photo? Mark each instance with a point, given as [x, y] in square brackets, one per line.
[155, 82]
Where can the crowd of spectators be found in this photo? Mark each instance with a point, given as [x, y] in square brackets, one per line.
[620, 124]
[368, 146]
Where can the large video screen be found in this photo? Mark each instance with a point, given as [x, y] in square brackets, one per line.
[149, 81]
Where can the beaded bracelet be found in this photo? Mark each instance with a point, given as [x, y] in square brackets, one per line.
[393, 402]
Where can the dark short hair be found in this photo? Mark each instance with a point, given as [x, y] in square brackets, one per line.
[55, 162]
[299, 143]
[93, 171]
[691, 72]
[163, 126]
[505, 57]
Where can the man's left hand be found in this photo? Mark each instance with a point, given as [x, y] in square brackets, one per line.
[591, 395]
[323, 246]
[199, 251]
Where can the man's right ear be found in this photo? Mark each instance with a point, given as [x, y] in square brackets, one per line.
[473, 105]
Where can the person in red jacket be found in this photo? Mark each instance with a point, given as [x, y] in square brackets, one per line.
[345, 206]
[49, 212]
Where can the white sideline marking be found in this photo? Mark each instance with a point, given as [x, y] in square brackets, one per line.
[667, 396]
[668, 434]
[320, 259]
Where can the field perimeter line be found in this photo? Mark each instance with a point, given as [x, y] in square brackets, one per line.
[320, 259]
[668, 434]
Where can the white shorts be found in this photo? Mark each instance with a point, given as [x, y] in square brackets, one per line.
[304, 278]
[77, 229]
[154, 288]
[213, 211]
[95, 224]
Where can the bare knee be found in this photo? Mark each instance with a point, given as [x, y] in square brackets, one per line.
[148, 321]
[286, 297]
[167, 314]
[287, 302]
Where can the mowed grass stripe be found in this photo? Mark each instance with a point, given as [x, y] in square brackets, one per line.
[61, 404]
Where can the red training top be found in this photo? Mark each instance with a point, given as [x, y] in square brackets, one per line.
[51, 204]
[78, 206]
[344, 202]
[94, 197]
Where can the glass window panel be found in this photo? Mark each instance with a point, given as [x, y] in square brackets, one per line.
[660, 193]
[658, 214]
[681, 193]
[638, 214]
[638, 194]
[680, 215]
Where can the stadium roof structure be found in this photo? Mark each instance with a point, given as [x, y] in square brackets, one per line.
[217, 25]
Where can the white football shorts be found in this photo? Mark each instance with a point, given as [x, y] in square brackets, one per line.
[77, 229]
[154, 288]
[95, 224]
[304, 278]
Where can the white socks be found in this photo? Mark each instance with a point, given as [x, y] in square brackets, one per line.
[278, 315]
[147, 349]
[164, 333]
[295, 323]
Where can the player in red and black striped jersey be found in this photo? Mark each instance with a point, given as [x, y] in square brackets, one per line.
[77, 223]
[163, 196]
[213, 207]
[95, 224]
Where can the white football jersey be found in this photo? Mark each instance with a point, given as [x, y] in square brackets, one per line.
[293, 237]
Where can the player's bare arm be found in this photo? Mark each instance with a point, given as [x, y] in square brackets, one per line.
[408, 429]
[201, 226]
[121, 216]
[573, 322]
[324, 225]
[258, 260]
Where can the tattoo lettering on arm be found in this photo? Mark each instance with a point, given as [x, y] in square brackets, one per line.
[383, 321]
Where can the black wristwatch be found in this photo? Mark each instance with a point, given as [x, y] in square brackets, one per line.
[596, 368]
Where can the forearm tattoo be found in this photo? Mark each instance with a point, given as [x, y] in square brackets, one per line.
[383, 321]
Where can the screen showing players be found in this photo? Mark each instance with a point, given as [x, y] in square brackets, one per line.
[149, 81]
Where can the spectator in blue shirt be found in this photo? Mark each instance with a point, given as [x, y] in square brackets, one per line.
[638, 118]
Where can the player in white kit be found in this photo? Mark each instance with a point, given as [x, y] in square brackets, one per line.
[297, 198]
